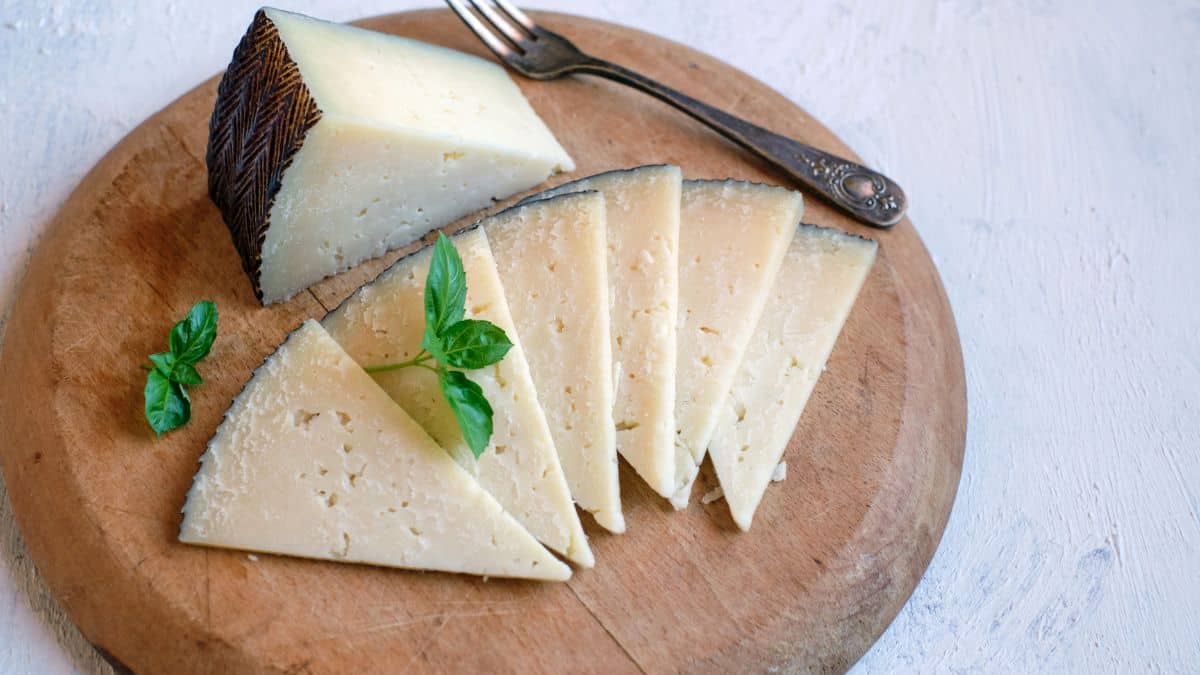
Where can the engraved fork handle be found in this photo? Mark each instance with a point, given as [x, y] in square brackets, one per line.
[866, 194]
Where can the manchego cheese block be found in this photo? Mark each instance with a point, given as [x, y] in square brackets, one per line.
[817, 285]
[383, 323]
[732, 240]
[550, 255]
[313, 459]
[331, 144]
[642, 212]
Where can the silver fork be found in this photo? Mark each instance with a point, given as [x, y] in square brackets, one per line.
[541, 54]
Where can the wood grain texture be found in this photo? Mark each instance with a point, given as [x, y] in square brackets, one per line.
[836, 549]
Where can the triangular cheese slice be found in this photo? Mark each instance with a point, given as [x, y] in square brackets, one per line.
[550, 255]
[642, 212]
[313, 459]
[732, 238]
[383, 323]
[330, 144]
[809, 302]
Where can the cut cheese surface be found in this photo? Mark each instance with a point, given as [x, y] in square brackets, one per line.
[642, 211]
[330, 144]
[383, 323]
[314, 460]
[812, 296]
[550, 255]
[732, 239]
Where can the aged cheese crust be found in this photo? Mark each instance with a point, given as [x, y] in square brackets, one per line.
[262, 114]
[331, 144]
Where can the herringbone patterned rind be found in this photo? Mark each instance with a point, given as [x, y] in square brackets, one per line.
[262, 114]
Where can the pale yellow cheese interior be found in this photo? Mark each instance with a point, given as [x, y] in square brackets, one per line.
[550, 255]
[732, 239]
[313, 459]
[412, 136]
[383, 323]
[809, 302]
[642, 212]
[401, 83]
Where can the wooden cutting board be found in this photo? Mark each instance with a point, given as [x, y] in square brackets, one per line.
[835, 550]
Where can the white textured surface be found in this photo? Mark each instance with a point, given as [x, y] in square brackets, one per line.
[1050, 151]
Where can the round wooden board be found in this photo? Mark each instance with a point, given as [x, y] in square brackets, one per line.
[835, 551]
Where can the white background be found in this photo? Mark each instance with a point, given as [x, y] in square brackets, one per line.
[1051, 150]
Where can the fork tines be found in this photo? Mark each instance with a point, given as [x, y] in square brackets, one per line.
[515, 36]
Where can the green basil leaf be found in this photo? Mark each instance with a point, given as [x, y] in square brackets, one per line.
[167, 404]
[192, 338]
[472, 344]
[433, 344]
[445, 288]
[164, 362]
[471, 409]
[185, 373]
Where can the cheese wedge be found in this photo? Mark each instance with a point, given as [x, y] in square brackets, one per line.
[314, 460]
[809, 302]
[550, 255]
[732, 238]
[331, 144]
[642, 212]
[383, 323]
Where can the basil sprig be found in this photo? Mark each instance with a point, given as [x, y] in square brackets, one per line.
[168, 405]
[450, 341]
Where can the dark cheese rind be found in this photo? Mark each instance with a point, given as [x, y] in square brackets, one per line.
[262, 114]
[576, 185]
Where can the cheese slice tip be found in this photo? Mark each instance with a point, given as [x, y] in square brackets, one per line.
[551, 258]
[330, 144]
[314, 460]
[383, 323]
[642, 214]
[732, 240]
[813, 294]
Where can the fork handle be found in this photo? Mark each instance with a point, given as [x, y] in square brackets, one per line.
[866, 194]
